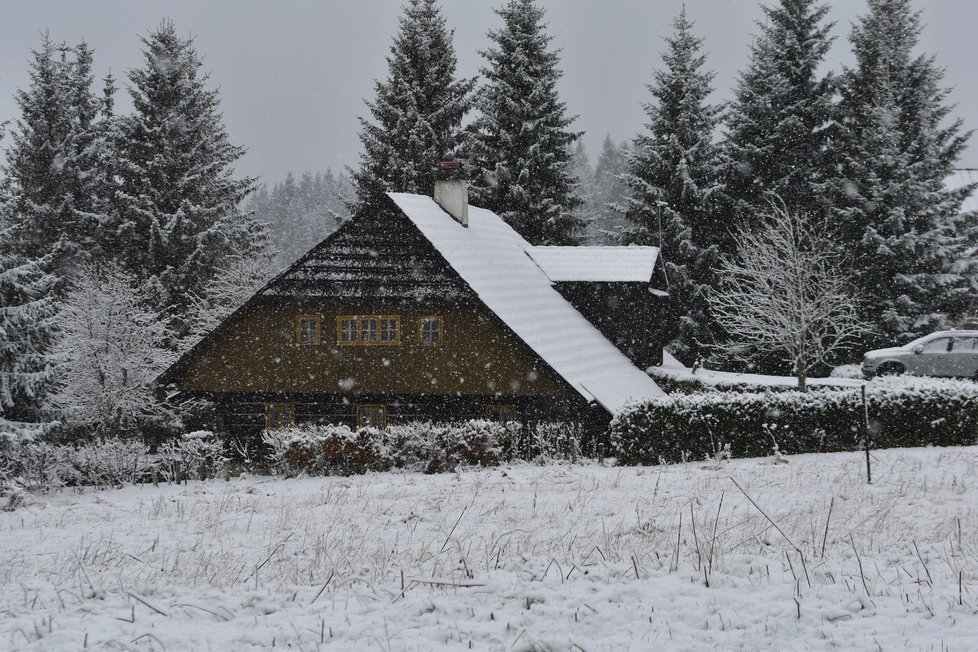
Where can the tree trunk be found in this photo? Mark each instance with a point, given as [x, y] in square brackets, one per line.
[802, 373]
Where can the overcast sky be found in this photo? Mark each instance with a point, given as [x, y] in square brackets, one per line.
[293, 73]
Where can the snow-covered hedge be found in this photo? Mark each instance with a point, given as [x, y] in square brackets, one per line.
[696, 426]
[38, 464]
[33, 465]
[339, 450]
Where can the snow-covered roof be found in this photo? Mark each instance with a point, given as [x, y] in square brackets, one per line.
[492, 258]
[959, 179]
[596, 264]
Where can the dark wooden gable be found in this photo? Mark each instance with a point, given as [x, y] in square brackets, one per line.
[381, 255]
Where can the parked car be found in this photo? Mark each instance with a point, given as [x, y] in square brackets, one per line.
[949, 354]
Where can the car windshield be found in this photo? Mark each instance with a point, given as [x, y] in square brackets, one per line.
[917, 342]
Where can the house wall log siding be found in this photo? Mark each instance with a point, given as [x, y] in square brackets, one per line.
[257, 354]
[242, 414]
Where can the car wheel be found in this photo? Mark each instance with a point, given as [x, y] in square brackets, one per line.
[890, 369]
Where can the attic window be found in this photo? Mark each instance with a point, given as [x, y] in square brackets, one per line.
[372, 416]
[501, 413]
[370, 330]
[307, 329]
[432, 330]
[279, 415]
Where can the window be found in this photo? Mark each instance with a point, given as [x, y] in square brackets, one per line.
[370, 330]
[388, 329]
[279, 415]
[347, 332]
[940, 345]
[372, 416]
[965, 344]
[432, 330]
[307, 329]
[501, 413]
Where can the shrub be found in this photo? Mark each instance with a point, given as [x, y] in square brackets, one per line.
[432, 448]
[553, 440]
[193, 455]
[695, 426]
[38, 465]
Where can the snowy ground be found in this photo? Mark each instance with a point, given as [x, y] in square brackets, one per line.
[556, 557]
[671, 368]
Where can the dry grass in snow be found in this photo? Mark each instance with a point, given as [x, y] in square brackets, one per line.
[744, 554]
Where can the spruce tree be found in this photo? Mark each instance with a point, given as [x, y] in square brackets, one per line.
[300, 214]
[584, 186]
[608, 222]
[27, 310]
[49, 166]
[674, 185]
[178, 198]
[417, 112]
[897, 219]
[520, 146]
[781, 123]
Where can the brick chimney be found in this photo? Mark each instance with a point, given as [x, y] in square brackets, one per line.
[452, 192]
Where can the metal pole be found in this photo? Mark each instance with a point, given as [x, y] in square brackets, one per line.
[865, 428]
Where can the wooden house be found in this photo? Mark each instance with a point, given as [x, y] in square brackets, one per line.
[437, 311]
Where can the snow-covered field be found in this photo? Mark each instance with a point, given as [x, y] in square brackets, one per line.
[527, 558]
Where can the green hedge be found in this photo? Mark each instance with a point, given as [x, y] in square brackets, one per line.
[902, 413]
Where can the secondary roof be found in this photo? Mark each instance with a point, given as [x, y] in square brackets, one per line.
[596, 264]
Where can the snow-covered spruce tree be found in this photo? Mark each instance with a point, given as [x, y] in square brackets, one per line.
[178, 215]
[781, 123]
[583, 175]
[895, 215]
[673, 183]
[27, 315]
[49, 171]
[301, 213]
[785, 292]
[234, 283]
[520, 144]
[607, 223]
[112, 349]
[417, 112]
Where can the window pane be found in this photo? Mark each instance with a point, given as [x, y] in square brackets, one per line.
[348, 332]
[368, 330]
[371, 416]
[388, 330]
[937, 346]
[969, 344]
[279, 415]
[309, 331]
[431, 330]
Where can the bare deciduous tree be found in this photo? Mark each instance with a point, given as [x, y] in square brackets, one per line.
[784, 291]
